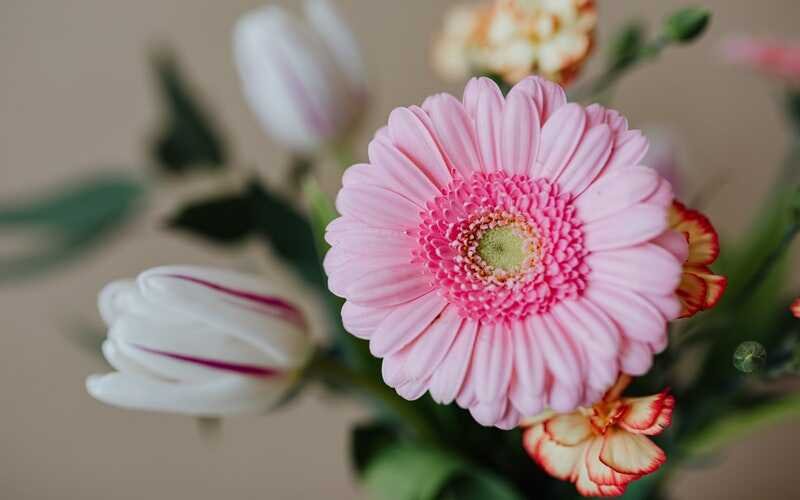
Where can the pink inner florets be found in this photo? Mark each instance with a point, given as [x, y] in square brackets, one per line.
[544, 220]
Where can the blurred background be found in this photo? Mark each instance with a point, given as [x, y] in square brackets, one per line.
[77, 97]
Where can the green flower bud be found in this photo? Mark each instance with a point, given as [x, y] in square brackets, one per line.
[686, 24]
[749, 356]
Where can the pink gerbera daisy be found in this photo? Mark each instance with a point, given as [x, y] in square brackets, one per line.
[504, 253]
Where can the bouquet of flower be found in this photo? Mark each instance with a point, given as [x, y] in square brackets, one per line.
[512, 282]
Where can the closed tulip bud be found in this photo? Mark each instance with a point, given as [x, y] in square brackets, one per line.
[198, 341]
[304, 81]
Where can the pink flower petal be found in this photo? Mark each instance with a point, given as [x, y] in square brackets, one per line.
[548, 96]
[377, 207]
[638, 224]
[588, 161]
[449, 377]
[520, 133]
[431, 348]
[645, 268]
[488, 117]
[493, 363]
[456, 133]
[388, 286]
[561, 135]
[414, 139]
[405, 323]
[399, 173]
[615, 192]
[362, 321]
[637, 317]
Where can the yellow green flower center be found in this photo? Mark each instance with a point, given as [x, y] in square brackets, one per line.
[505, 247]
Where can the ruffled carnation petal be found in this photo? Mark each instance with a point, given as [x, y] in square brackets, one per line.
[648, 415]
[629, 453]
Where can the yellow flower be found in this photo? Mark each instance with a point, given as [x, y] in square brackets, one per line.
[516, 38]
[603, 448]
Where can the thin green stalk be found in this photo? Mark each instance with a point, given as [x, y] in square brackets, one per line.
[330, 369]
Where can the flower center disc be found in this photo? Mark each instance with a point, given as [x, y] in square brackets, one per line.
[507, 248]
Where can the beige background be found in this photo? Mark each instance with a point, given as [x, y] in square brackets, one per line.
[75, 97]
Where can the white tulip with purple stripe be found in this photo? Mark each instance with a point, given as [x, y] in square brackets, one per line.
[198, 341]
[304, 79]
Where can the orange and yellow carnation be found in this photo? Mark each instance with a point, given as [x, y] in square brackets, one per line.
[700, 288]
[517, 38]
[604, 448]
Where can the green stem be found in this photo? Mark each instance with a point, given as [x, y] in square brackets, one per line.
[764, 270]
[344, 154]
[330, 369]
[603, 84]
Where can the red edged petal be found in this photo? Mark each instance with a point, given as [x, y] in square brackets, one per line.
[701, 235]
[715, 284]
[630, 453]
[600, 473]
[648, 415]
[692, 292]
[589, 488]
[568, 429]
[557, 460]
[795, 308]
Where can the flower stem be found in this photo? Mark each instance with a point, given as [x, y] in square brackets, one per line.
[343, 152]
[329, 369]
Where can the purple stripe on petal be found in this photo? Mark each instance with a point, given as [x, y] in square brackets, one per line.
[285, 309]
[241, 369]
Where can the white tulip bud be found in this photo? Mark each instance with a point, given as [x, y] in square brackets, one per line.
[304, 81]
[198, 341]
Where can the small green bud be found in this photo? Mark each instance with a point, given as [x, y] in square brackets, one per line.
[686, 24]
[749, 356]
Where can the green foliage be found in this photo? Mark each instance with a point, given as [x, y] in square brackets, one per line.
[736, 425]
[225, 219]
[255, 212]
[626, 46]
[408, 471]
[71, 220]
[687, 24]
[188, 140]
[478, 485]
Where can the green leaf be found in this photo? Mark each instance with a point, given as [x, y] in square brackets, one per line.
[188, 140]
[369, 440]
[478, 485]
[70, 220]
[256, 212]
[740, 423]
[410, 472]
[687, 24]
[226, 219]
[289, 233]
